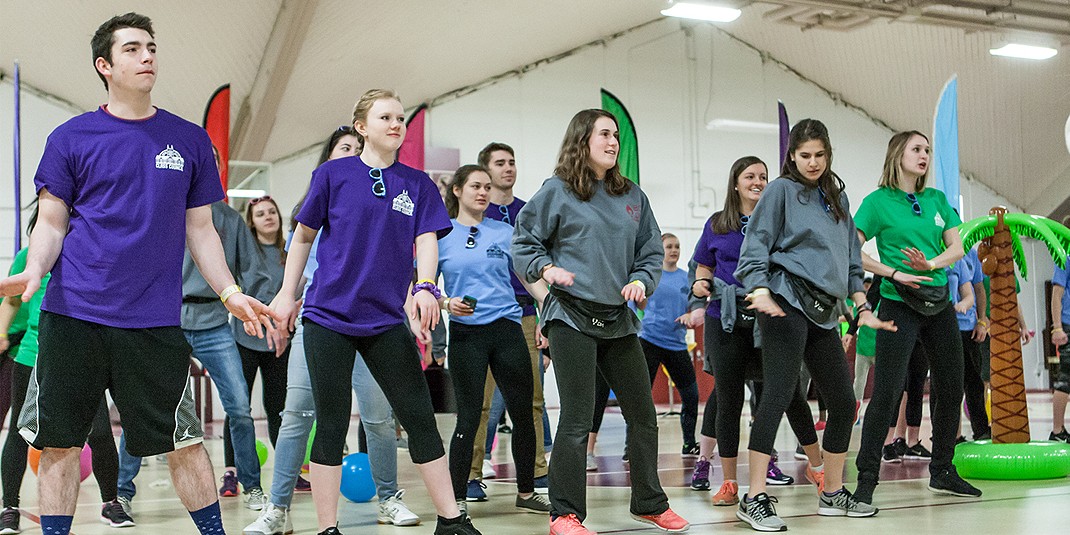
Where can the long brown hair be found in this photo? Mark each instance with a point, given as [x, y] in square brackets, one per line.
[893, 162]
[829, 183]
[573, 161]
[727, 220]
[460, 177]
[280, 240]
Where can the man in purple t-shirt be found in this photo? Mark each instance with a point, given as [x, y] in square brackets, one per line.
[499, 160]
[121, 191]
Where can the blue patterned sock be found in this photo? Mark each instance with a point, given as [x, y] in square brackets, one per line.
[56, 524]
[208, 520]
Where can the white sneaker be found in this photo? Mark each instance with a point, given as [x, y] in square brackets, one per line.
[488, 470]
[272, 521]
[592, 463]
[393, 511]
[255, 499]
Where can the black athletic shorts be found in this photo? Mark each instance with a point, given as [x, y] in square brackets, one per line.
[146, 371]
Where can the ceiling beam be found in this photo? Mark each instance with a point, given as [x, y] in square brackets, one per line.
[259, 109]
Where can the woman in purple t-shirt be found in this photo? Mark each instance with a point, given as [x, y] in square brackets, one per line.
[731, 353]
[371, 213]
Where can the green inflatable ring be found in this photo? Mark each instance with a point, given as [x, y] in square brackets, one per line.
[1034, 460]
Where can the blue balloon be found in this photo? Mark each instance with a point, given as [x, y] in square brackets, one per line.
[357, 484]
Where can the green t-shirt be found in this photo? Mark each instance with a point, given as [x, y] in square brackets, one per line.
[18, 265]
[888, 216]
[27, 354]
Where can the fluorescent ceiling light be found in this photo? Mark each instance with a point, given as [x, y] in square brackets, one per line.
[1018, 50]
[246, 193]
[735, 125]
[702, 11]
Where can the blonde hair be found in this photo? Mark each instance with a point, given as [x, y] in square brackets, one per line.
[893, 162]
[365, 103]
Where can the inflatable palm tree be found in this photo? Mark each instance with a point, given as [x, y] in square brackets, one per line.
[999, 234]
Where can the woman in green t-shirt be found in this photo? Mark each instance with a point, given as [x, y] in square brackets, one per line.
[915, 229]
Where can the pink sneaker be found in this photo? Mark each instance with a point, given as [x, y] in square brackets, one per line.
[568, 525]
[667, 521]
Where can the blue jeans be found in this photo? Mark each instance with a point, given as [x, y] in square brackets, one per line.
[300, 413]
[218, 353]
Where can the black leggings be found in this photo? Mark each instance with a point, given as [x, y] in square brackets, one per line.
[787, 342]
[394, 362]
[973, 386]
[917, 373]
[601, 399]
[682, 373]
[13, 459]
[577, 360]
[939, 335]
[273, 391]
[501, 346]
[732, 354]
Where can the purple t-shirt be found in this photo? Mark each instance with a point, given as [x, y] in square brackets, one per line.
[507, 214]
[722, 252]
[128, 185]
[366, 242]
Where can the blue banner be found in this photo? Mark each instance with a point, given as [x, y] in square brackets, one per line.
[945, 155]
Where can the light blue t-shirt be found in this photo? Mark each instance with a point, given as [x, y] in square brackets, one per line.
[958, 274]
[1062, 278]
[481, 271]
[668, 302]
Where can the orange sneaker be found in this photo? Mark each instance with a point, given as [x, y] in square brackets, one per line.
[728, 495]
[817, 478]
[568, 525]
[667, 521]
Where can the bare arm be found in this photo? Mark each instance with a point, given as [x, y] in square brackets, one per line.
[967, 299]
[871, 265]
[425, 304]
[1058, 336]
[285, 303]
[46, 242]
[8, 309]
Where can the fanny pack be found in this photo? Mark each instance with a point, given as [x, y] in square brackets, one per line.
[818, 305]
[744, 317]
[593, 319]
[925, 300]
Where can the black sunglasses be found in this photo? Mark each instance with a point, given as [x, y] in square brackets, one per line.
[743, 220]
[914, 203]
[470, 243]
[378, 187]
[504, 210]
[259, 200]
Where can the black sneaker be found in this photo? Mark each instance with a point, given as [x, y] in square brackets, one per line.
[1061, 436]
[689, 450]
[112, 514]
[947, 481]
[901, 448]
[800, 453]
[9, 521]
[987, 435]
[889, 453]
[624, 457]
[464, 527]
[918, 452]
[867, 482]
[333, 530]
[960, 440]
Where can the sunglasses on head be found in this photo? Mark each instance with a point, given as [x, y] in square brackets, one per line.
[504, 210]
[378, 187]
[259, 200]
[914, 205]
[470, 243]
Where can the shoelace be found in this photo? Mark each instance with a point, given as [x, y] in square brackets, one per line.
[774, 470]
[763, 508]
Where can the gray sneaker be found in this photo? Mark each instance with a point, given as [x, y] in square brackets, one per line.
[127, 506]
[760, 514]
[255, 499]
[536, 503]
[843, 503]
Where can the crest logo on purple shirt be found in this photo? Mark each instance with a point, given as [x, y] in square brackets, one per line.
[634, 211]
[403, 204]
[169, 158]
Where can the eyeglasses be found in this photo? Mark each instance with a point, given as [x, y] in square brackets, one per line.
[259, 200]
[743, 220]
[470, 243]
[914, 203]
[378, 187]
[504, 210]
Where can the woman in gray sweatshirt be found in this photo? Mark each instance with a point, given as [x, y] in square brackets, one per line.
[800, 257]
[591, 235]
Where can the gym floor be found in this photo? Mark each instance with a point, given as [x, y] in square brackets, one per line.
[906, 505]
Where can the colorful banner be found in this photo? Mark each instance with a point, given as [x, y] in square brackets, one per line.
[412, 152]
[628, 157]
[217, 123]
[945, 143]
[785, 128]
[18, 163]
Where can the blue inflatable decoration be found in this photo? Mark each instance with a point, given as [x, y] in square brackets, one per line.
[357, 484]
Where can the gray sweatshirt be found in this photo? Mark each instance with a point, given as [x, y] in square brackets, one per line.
[201, 307]
[266, 292]
[791, 229]
[606, 242]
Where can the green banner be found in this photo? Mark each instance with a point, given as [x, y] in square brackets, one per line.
[628, 158]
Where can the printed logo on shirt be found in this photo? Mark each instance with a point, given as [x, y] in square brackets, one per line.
[403, 204]
[169, 158]
[939, 221]
[634, 211]
[495, 252]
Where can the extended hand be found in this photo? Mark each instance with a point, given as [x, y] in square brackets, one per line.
[556, 276]
[915, 259]
[908, 279]
[632, 292]
[23, 284]
[871, 321]
[256, 316]
[766, 305]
